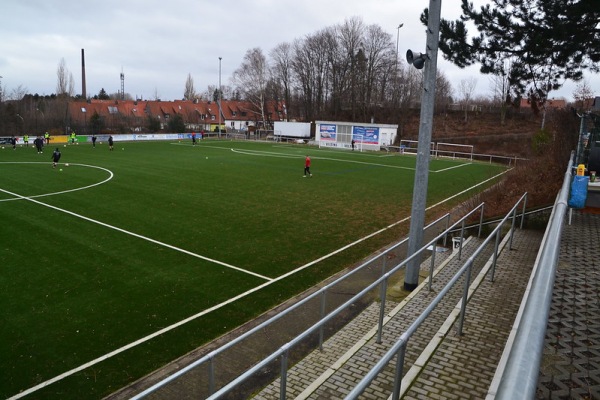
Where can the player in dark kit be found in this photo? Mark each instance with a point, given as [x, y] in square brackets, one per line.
[55, 157]
[39, 144]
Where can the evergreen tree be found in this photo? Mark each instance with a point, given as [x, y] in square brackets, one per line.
[545, 41]
[176, 124]
[96, 123]
[102, 95]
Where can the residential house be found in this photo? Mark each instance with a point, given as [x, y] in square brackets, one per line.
[123, 116]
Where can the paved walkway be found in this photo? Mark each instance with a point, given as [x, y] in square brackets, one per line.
[571, 365]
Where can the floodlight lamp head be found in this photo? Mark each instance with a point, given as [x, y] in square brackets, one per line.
[416, 59]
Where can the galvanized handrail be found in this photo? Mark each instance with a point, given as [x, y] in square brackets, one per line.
[283, 350]
[208, 358]
[399, 347]
[520, 375]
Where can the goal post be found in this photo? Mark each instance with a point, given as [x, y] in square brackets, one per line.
[358, 142]
[412, 146]
[454, 150]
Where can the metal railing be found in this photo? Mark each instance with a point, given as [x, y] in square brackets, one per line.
[317, 328]
[400, 346]
[381, 283]
[520, 375]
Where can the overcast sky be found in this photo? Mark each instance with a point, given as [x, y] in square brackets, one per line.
[156, 44]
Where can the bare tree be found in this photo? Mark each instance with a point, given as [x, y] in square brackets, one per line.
[409, 92]
[65, 85]
[312, 69]
[156, 95]
[466, 88]
[350, 35]
[281, 71]
[18, 93]
[500, 87]
[379, 50]
[583, 93]
[251, 79]
[443, 91]
[189, 92]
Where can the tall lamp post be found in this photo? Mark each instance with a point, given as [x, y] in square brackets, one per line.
[417, 220]
[219, 98]
[397, 77]
[398, 48]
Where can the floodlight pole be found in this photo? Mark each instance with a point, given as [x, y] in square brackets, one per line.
[219, 98]
[417, 220]
[397, 80]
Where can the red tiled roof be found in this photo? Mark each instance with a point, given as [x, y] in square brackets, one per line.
[191, 111]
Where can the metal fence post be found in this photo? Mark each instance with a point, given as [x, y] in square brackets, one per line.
[434, 247]
[481, 220]
[323, 301]
[399, 372]
[462, 235]
[383, 290]
[496, 245]
[512, 228]
[283, 383]
[211, 375]
[446, 230]
[523, 213]
[463, 306]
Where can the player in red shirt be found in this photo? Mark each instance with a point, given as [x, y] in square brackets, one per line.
[307, 166]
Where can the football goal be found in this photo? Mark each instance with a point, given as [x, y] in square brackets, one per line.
[454, 150]
[411, 146]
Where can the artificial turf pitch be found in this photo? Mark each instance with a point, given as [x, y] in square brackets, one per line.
[122, 244]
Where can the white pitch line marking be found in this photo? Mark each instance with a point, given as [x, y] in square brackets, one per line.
[452, 167]
[269, 154]
[139, 236]
[63, 191]
[220, 305]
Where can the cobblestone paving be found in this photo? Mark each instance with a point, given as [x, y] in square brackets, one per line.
[463, 367]
[571, 363]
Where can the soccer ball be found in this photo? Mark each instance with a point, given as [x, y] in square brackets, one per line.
[67, 164]
[64, 145]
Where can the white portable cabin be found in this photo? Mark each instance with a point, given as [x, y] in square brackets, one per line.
[292, 129]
